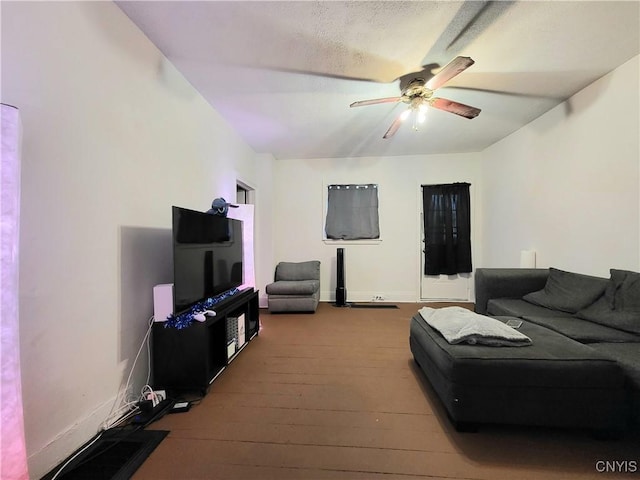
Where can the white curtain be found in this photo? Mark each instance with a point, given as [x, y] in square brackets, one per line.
[13, 462]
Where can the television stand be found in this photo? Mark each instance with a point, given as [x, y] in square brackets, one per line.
[190, 359]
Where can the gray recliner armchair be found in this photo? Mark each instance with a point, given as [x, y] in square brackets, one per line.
[296, 287]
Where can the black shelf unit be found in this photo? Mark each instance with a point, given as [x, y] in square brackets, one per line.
[191, 358]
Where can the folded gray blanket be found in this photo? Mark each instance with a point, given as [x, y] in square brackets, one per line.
[459, 325]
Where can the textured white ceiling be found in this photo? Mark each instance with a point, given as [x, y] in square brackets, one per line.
[284, 73]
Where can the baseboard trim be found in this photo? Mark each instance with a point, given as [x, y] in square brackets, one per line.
[367, 296]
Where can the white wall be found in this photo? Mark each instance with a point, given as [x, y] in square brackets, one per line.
[390, 267]
[112, 137]
[568, 184]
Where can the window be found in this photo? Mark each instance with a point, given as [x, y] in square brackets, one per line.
[352, 212]
[447, 228]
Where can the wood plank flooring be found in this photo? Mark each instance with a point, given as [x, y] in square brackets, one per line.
[337, 395]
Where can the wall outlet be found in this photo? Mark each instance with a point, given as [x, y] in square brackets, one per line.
[378, 298]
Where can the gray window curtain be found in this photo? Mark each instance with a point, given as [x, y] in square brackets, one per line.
[352, 212]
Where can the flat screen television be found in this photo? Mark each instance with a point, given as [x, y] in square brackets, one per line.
[207, 256]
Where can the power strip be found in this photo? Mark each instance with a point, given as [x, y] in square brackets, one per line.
[156, 396]
[146, 417]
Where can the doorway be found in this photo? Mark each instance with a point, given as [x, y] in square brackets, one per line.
[449, 214]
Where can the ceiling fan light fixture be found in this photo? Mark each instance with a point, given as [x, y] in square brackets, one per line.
[418, 94]
[419, 107]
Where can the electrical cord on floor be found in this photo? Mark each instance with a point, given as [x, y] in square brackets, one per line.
[77, 454]
[129, 405]
[156, 413]
[130, 409]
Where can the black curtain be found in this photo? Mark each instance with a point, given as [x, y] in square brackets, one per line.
[447, 228]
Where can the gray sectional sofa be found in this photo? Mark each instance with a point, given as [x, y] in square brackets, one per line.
[582, 369]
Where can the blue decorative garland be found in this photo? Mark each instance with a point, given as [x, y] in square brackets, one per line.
[185, 319]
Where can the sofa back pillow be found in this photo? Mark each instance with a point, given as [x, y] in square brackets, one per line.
[623, 290]
[600, 312]
[309, 270]
[568, 291]
[619, 307]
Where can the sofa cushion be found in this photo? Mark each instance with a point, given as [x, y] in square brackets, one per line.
[553, 360]
[627, 355]
[602, 313]
[516, 307]
[568, 291]
[298, 270]
[584, 331]
[623, 291]
[290, 303]
[300, 287]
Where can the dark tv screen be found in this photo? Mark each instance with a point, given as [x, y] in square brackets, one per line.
[207, 256]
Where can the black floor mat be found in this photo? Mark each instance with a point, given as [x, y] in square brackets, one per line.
[372, 305]
[114, 456]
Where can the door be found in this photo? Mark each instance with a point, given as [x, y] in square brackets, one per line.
[456, 287]
[443, 287]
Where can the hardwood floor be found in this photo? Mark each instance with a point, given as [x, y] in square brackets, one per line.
[337, 395]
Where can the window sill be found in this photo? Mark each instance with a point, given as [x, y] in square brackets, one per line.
[367, 241]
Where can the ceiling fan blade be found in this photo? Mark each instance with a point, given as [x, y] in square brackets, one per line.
[396, 125]
[450, 70]
[522, 94]
[454, 107]
[363, 103]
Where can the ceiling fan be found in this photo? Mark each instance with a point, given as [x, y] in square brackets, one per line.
[418, 94]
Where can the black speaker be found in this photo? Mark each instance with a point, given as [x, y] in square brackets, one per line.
[341, 291]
